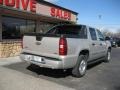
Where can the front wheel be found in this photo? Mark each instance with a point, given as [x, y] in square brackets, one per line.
[80, 69]
[108, 56]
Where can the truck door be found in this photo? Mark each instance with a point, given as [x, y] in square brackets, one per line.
[102, 44]
[94, 44]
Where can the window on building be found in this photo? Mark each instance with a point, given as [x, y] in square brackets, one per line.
[14, 28]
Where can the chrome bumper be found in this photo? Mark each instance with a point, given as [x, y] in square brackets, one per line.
[46, 62]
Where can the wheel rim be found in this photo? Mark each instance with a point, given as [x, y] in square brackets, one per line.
[109, 55]
[82, 67]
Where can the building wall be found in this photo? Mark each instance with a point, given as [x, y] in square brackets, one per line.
[46, 10]
[0, 28]
[10, 48]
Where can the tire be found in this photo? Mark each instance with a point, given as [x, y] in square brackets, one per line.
[108, 56]
[81, 66]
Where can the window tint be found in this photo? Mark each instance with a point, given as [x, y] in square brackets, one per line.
[100, 36]
[93, 34]
[79, 31]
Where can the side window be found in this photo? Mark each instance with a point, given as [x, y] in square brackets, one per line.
[83, 32]
[93, 33]
[100, 36]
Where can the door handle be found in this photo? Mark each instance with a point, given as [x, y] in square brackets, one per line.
[93, 44]
[100, 44]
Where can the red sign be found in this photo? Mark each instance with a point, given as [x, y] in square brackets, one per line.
[17, 4]
[58, 13]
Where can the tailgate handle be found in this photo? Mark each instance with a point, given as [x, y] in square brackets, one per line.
[39, 38]
[38, 43]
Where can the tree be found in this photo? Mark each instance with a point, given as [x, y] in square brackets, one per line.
[118, 33]
[106, 32]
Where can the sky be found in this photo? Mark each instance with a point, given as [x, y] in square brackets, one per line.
[101, 14]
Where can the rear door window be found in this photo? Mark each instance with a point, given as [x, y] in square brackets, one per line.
[93, 34]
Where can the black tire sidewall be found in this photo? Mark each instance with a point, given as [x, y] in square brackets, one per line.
[76, 71]
[106, 58]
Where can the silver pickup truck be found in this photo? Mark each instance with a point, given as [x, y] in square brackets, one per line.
[66, 47]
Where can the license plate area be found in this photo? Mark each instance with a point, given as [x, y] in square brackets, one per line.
[37, 59]
[28, 57]
[34, 58]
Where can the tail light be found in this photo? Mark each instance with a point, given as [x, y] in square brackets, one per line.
[62, 46]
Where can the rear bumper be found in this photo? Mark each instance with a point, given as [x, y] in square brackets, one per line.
[47, 62]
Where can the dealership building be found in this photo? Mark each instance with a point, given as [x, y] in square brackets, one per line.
[22, 16]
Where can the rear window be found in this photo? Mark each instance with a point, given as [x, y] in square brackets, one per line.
[78, 31]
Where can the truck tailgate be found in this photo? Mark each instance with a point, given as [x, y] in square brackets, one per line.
[47, 45]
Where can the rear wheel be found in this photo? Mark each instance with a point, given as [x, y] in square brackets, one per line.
[80, 69]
